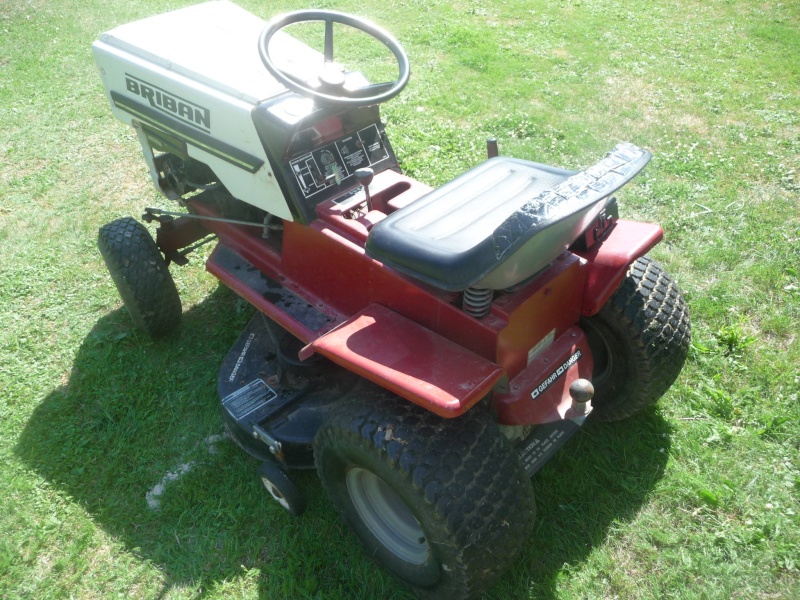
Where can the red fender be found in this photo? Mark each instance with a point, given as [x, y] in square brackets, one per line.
[410, 360]
[609, 259]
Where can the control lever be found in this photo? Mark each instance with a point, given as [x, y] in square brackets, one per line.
[491, 147]
[364, 176]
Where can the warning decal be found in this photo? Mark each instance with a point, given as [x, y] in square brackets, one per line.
[555, 375]
[247, 400]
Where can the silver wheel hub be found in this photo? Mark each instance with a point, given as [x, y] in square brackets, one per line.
[275, 493]
[387, 516]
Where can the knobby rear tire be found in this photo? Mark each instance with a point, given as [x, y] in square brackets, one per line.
[443, 504]
[639, 341]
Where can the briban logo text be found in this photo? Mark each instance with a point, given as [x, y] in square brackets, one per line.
[160, 99]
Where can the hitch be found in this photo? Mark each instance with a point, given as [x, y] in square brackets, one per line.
[177, 237]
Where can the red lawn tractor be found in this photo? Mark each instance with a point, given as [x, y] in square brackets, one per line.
[425, 350]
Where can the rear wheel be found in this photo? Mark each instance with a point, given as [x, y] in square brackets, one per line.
[639, 341]
[444, 504]
[141, 276]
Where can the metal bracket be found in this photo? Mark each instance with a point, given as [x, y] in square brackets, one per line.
[272, 443]
[160, 215]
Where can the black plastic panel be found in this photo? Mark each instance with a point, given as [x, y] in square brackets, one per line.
[288, 404]
[329, 170]
[314, 156]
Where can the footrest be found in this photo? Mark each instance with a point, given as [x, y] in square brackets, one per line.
[298, 316]
[410, 360]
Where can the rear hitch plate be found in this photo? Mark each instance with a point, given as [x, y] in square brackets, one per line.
[543, 442]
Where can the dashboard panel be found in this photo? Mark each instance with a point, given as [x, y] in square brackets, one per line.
[316, 150]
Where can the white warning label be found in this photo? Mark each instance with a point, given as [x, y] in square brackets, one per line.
[555, 375]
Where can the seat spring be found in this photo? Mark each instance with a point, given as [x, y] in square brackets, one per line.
[477, 301]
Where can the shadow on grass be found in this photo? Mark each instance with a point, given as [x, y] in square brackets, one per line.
[603, 476]
[136, 412]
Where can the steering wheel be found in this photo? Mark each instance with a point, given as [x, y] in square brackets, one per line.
[332, 88]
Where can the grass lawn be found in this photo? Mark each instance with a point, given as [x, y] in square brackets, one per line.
[695, 498]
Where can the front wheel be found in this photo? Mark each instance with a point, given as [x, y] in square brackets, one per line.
[282, 488]
[639, 341]
[444, 504]
[141, 276]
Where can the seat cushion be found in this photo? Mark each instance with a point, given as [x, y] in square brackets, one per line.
[441, 238]
[501, 222]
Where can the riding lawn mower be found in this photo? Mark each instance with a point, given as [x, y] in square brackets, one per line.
[426, 350]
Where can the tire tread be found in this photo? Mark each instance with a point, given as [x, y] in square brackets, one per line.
[141, 276]
[463, 469]
[650, 318]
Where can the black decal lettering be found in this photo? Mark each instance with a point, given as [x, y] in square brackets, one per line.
[185, 111]
[188, 112]
[147, 93]
[202, 116]
[170, 104]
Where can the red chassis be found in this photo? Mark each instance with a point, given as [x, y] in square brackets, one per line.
[412, 338]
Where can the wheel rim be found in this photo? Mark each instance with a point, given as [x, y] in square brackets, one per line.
[601, 353]
[387, 516]
[275, 493]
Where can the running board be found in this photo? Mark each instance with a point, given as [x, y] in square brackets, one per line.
[299, 317]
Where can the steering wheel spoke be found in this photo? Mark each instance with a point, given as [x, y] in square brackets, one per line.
[369, 90]
[328, 41]
[332, 88]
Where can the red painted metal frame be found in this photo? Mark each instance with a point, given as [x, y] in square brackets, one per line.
[179, 233]
[550, 303]
[378, 316]
[410, 360]
[540, 393]
[608, 261]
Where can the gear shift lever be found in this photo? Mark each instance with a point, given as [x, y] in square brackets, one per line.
[364, 177]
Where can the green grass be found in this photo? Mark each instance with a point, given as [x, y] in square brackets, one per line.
[697, 498]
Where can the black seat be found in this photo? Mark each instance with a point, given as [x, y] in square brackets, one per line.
[486, 228]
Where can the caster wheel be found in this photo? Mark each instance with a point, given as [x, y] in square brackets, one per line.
[281, 488]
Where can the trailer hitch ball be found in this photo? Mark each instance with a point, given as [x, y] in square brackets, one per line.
[581, 391]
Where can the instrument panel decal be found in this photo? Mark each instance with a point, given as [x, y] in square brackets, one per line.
[333, 163]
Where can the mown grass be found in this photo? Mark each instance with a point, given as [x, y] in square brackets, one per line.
[696, 498]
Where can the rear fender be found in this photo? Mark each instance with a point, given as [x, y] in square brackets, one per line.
[608, 260]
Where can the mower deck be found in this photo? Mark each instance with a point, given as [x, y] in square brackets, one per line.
[271, 408]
